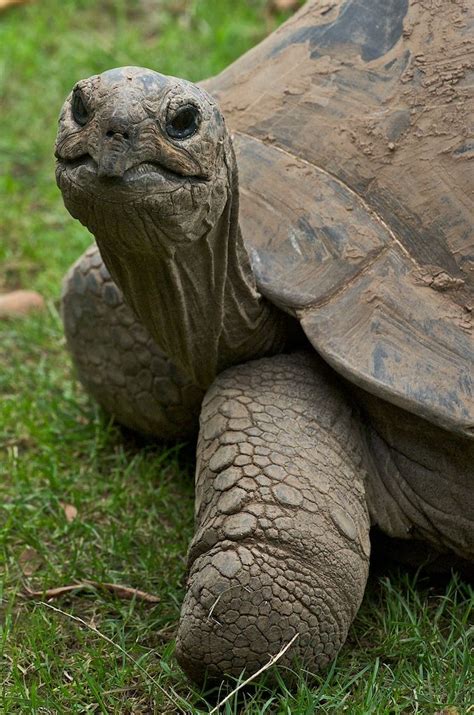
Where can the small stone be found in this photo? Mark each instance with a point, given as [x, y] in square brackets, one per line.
[70, 511]
[20, 303]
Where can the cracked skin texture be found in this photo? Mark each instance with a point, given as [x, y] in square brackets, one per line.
[116, 359]
[282, 540]
[198, 284]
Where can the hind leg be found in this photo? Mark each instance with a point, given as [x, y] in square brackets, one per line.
[116, 359]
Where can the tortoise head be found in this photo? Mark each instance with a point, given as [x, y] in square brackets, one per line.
[133, 142]
[146, 163]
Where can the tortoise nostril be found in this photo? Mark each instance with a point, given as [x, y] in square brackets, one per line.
[110, 133]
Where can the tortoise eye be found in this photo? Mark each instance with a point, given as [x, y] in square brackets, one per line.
[79, 109]
[184, 123]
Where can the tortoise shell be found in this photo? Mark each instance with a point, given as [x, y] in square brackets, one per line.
[350, 125]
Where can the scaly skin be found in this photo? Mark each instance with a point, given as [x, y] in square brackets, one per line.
[282, 533]
[117, 360]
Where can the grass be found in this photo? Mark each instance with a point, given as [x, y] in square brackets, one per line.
[409, 649]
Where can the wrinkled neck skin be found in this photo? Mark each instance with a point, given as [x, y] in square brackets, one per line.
[198, 297]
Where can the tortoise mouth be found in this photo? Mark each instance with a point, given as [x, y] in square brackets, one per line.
[141, 182]
[86, 164]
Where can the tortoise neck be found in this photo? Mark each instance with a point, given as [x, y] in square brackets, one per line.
[199, 300]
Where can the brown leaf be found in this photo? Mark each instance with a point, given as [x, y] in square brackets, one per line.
[70, 511]
[20, 302]
[121, 591]
[29, 561]
[450, 710]
[8, 3]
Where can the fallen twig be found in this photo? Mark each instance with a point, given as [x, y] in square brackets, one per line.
[119, 590]
[268, 665]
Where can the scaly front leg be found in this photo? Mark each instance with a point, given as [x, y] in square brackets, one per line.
[117, 360]
[282, 540]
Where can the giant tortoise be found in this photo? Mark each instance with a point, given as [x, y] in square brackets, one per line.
[283, 258]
